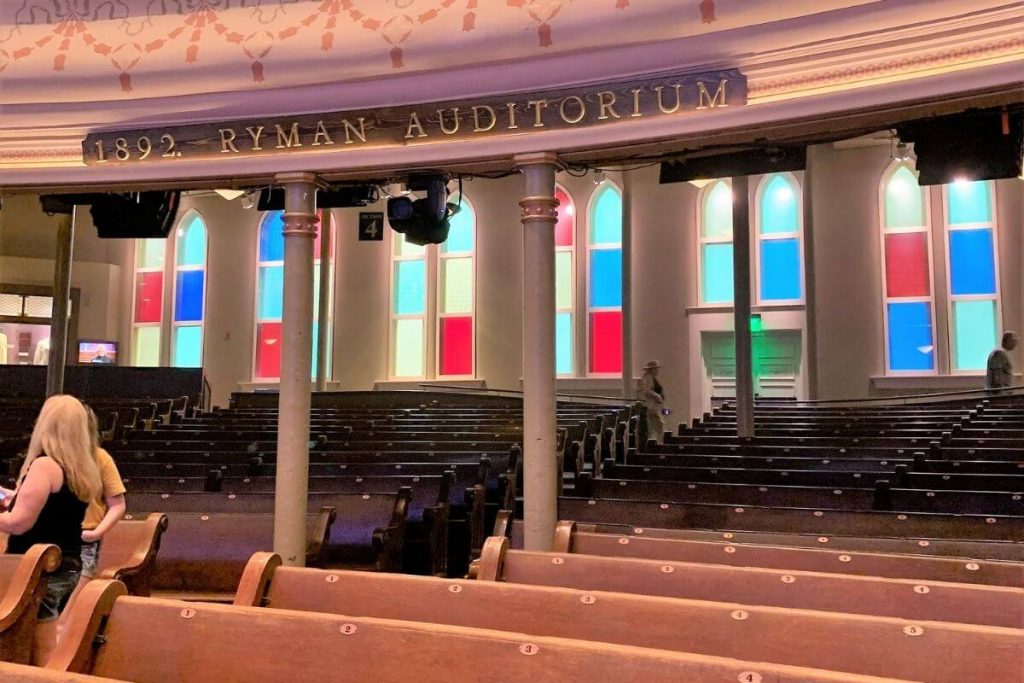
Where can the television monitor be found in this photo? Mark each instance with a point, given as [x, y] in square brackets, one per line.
[97, 352]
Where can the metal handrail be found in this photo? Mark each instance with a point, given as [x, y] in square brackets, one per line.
[911, 399]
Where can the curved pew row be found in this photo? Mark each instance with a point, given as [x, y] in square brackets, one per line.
[22, 585]
[835, 642]
[844, 593]
[569, 539]
[22, 673]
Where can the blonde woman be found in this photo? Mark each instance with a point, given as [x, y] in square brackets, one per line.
[56, 483]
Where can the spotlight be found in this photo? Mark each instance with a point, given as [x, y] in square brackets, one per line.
[249, 199]
[598, 176]
[424, 220]
[901, 152]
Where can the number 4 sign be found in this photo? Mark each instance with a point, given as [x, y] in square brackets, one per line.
[371, 226]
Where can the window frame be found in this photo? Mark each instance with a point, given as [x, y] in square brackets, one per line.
[190, 215]
[573, 309]
[760, 238]
[439, 257]
[703, 197]
[159, 325]
[590, 249]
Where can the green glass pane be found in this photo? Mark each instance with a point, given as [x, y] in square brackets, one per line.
[606, 216]
[460, 232]
[563, 280]
[192, 242]
[716, 270]
[188, 346]
[458, 285]
[904, 200]
[409, 348]
[150, 253]
[969, 202]
[778, 206]
[403, 248]
[316, 348]
[146, 346]
[716, 214]
[974, 325]
[316, 291]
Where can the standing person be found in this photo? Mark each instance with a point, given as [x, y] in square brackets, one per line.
[104, 511]
[652, 393]
[999, 369]
[56, 483]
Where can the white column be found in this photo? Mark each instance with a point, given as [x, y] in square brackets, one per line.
[628, 390]
[296, 351]
[540, 474]
[741, 306]
[324, 314]
[61, 294]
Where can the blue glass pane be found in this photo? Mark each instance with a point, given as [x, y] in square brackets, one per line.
[188, 347]
[606, 226]
[605, 278]
[716, 271]
[410, 287]
[460, 233]
[969, 202]
[271, 292]
[780, 270]
[192, 242]
[911, 346]
[563, 343]
[188, 296]
[972, 267]
[778, 207]
[272, 237]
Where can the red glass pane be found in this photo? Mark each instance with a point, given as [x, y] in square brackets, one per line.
[906, 264]
[565, 227]
[606, 342]
[149, 297]
[457, 346]
[268, 350]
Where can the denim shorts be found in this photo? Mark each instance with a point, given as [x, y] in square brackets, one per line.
[90, 559]
[59, 587]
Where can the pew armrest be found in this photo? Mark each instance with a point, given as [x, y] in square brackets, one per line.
[77, 647]
[137, 571]
[26, 587]
[318, 535]
[389, 542]
[503, 524]
[255, 581]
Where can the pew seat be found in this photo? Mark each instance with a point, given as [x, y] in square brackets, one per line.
[22, 673]
[130, 550]
[22, 585]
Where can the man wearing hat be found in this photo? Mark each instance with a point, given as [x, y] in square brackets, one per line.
[650, 391]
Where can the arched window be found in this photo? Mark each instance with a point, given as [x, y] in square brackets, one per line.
[604, 301]
[147, 316]
[456, 301]
[716, 282]
[778, 238]
[907, 275]
[565, 284]
[270, 292]
[974, 320]
[408, 308]
[189, 292]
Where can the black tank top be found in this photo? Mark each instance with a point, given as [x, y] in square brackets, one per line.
[59, 523]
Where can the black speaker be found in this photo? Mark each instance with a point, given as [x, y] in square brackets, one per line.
[331, 198]
[138, 215]
[732, 164]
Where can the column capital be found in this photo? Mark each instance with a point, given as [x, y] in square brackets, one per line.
[536, 159]
[298, 177]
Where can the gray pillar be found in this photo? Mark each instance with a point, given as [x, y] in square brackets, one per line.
[540, 474]
[292, 479]
[810, 363]
[324, 314]
[628, 390]
[61, 294]
[741, 306]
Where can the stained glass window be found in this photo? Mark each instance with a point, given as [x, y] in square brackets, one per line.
[778, 221]
[716, 281]
[455, 308]
[147, 317]
[189, 292]
[604, 299]
[565, 283]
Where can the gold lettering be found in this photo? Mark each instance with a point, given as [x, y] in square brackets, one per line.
[511, 115]
[321, 132]
[712, 102]
[538, 108]
[351, 130]
[579, 103]
[444, 128]
[414, 122]
[227, 141]
[636, 103]
[255, 134]
[605, 100]
[477, 128]
[289, 139]
[661, 102]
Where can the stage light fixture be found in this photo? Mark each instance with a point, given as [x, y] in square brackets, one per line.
[598, 176]
[249, 199]
[901, 152]
[423, 220]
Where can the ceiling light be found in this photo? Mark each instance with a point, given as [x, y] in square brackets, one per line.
[598, 176]
[702, 183]
[230, 194]
[901, 152]
[249, 199]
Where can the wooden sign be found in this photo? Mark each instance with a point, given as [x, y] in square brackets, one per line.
[608, 104]
[371, 226]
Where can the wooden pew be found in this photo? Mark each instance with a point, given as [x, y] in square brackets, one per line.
[130, 550]
[568, 539]
[22, 585]
[203, 555]
[22, 673]
[899, 598]
[151, 640]
[835, 642]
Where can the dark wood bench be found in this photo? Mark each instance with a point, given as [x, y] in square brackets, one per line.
[827, 641]
[899, 598]
[162, 641]
[129, 551]
[22, 585]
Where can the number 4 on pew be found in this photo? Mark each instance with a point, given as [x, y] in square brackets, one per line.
[371, 226]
